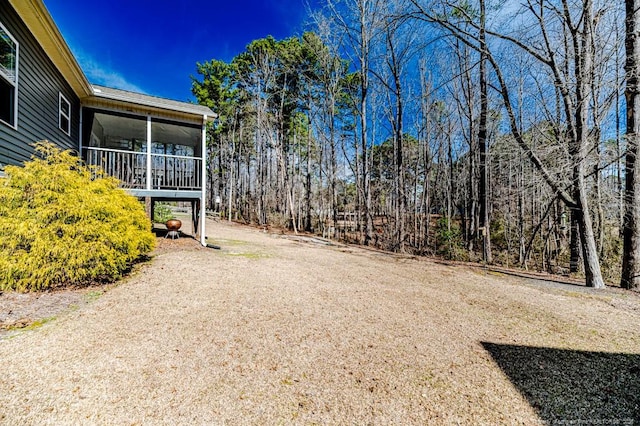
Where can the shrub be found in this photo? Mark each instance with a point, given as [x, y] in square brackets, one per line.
[162, 213]
[449, 240]
[62, 223]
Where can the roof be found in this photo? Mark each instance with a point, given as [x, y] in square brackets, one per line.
[154, 102]
[37, 18]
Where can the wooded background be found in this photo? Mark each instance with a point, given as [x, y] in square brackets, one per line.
[480, 130]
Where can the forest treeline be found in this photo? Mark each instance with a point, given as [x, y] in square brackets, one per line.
[476, 130]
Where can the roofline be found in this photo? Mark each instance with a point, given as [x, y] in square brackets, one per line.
[126, 107]
[39, 21]
[122, 100]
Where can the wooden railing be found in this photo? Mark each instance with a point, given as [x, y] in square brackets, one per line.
[166, 171]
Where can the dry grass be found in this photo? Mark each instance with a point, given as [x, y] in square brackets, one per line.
[278, 330]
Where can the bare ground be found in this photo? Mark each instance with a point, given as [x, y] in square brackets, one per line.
[273, 329]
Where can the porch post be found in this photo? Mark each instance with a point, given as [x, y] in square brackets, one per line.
[148, 152]
[203, 212]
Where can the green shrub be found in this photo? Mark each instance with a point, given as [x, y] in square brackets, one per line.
[449, 241]
[162, 213]
[65, 224]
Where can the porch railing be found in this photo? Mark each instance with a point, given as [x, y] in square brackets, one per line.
[166, 171]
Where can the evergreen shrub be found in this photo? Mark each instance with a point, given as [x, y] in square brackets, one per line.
[449, 241]
[162, 213]
[65, 224]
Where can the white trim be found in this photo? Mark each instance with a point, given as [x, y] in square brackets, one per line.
[38, 21]
[203, 199]
[80, 132]
[142, 113]
[13, 83]
[110, 94]
[149, 147]
[124, 151]
[164, 193]
[61, 114]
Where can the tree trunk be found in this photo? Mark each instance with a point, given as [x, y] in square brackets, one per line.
[482, 143]
[584, 68]
[364, 95]
[574, 244]
[399, 178]
[631, 221]
[334, 171]
[521, 219]
[307, 219]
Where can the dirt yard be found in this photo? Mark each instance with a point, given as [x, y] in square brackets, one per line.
[275, 329]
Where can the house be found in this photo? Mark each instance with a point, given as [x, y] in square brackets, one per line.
[155, 146]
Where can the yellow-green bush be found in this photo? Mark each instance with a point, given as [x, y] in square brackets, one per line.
[65, 224]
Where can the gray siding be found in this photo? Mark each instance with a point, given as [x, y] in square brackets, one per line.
[39, 83]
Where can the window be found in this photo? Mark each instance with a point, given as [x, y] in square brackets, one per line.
[8, 77]
[64, 114]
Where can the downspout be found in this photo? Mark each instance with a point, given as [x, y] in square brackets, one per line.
[203, 217]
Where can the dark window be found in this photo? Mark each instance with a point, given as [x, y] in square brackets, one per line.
[8, 76]
[7, 99]
[64, 113]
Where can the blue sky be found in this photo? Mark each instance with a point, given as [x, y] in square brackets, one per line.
[152, 46]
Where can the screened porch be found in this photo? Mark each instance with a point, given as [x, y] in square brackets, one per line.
[144, 153]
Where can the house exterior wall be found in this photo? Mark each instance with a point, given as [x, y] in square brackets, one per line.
[39, 86]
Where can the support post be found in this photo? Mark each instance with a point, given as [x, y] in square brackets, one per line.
[203, 217]
[194, 218]
[148, 208]
[149, 177]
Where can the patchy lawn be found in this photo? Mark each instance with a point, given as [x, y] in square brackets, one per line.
[274, 329]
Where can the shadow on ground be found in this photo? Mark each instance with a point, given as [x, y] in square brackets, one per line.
[574, 387]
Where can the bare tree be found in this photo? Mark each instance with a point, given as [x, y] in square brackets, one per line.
[575, 97]
[483, 188]
[361, 22]
[631, 224]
